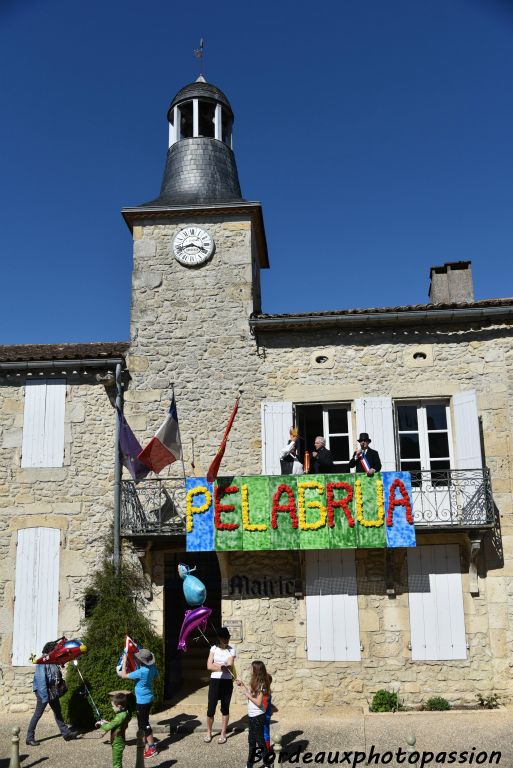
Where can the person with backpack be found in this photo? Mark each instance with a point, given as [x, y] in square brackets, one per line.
[48, 685]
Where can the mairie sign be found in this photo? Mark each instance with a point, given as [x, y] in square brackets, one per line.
[300, 512]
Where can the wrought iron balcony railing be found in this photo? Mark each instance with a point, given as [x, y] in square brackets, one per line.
[152, 507]
[455, 498]
[460, 498]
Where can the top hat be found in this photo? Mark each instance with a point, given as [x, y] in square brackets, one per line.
[145, 656]
[364, 436]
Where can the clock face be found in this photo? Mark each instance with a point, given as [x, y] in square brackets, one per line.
[193, 246]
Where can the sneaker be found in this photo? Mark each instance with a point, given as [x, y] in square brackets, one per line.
[150, 751]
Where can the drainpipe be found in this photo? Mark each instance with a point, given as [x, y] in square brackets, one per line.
[116, 556]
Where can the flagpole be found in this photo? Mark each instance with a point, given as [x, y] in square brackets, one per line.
[116, 553]
[179, 436]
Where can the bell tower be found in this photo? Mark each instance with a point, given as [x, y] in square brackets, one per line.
[200, 165]
[198, 251]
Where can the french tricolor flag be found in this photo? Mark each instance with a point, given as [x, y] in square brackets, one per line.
[165, 447]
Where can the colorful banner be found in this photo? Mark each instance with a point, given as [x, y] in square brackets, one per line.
[300, 512]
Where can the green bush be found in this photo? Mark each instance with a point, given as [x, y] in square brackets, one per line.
[115, 614]
[384, 701]
[437, 703]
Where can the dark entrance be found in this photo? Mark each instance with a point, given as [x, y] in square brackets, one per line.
[186, 672]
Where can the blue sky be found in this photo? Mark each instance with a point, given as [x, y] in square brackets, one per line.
[376, 134]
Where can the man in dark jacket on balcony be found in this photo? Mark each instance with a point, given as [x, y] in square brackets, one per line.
[364, 456]
[322, 460]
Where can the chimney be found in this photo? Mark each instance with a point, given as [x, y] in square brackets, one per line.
[451, 284]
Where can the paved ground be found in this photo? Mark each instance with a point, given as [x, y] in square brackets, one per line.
[181, 732]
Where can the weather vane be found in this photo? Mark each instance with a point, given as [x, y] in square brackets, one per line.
[199, 53]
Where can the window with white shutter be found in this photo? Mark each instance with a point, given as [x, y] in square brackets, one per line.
[36, 592]
[43, 423]
[437, 621]
[333, 631]
[424, 439]
[374, 415]
[276, 423]
[331, 421]
[466, 422]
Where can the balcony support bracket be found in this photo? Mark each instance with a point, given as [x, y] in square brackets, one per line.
[475, 550]
[145, 555]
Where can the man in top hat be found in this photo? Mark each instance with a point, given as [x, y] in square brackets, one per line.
[364, 456]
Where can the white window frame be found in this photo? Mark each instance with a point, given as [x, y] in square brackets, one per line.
[423, 433]
[328, 435]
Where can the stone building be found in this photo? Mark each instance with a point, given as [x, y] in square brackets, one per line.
[431, 384]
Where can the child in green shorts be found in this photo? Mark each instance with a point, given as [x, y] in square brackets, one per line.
[117, 727]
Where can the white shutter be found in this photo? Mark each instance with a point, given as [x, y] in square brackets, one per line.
[33, 424]
[333, 632]
[43, 424]
[276, 423]
[36, 592]
[468, 443]
[437, 619]
[53, 451]
[374, 415]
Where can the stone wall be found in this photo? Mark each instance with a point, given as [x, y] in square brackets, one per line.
[76, 498]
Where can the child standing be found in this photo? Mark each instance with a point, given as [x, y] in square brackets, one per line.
[117, 727]
[258, 695]
[144, 677]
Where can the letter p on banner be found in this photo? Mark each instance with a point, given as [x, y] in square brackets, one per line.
[199, 506]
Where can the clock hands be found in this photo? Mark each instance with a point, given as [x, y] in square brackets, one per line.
[191, 245]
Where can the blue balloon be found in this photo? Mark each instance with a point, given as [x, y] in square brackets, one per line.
[194, 590]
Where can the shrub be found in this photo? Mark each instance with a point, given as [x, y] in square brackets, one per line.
[437, 703]
[384, 701]
[488, 702]
[114, 615]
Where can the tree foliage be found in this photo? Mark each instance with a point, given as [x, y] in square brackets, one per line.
[115, 614]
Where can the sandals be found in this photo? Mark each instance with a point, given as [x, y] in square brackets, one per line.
[221, 740]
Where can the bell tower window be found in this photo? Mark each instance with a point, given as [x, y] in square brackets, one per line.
[185, 112]
[200, 118]
[206, 119]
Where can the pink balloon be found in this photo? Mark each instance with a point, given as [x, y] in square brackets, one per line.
[197, 617]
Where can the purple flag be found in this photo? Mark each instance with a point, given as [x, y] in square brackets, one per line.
[129, 448]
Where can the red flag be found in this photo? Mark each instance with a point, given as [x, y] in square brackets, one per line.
[214, 467]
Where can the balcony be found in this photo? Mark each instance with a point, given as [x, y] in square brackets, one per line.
[153, 508]
[442, 499]
[452, 498]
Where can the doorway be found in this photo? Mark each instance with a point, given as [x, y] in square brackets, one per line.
[186, 672]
